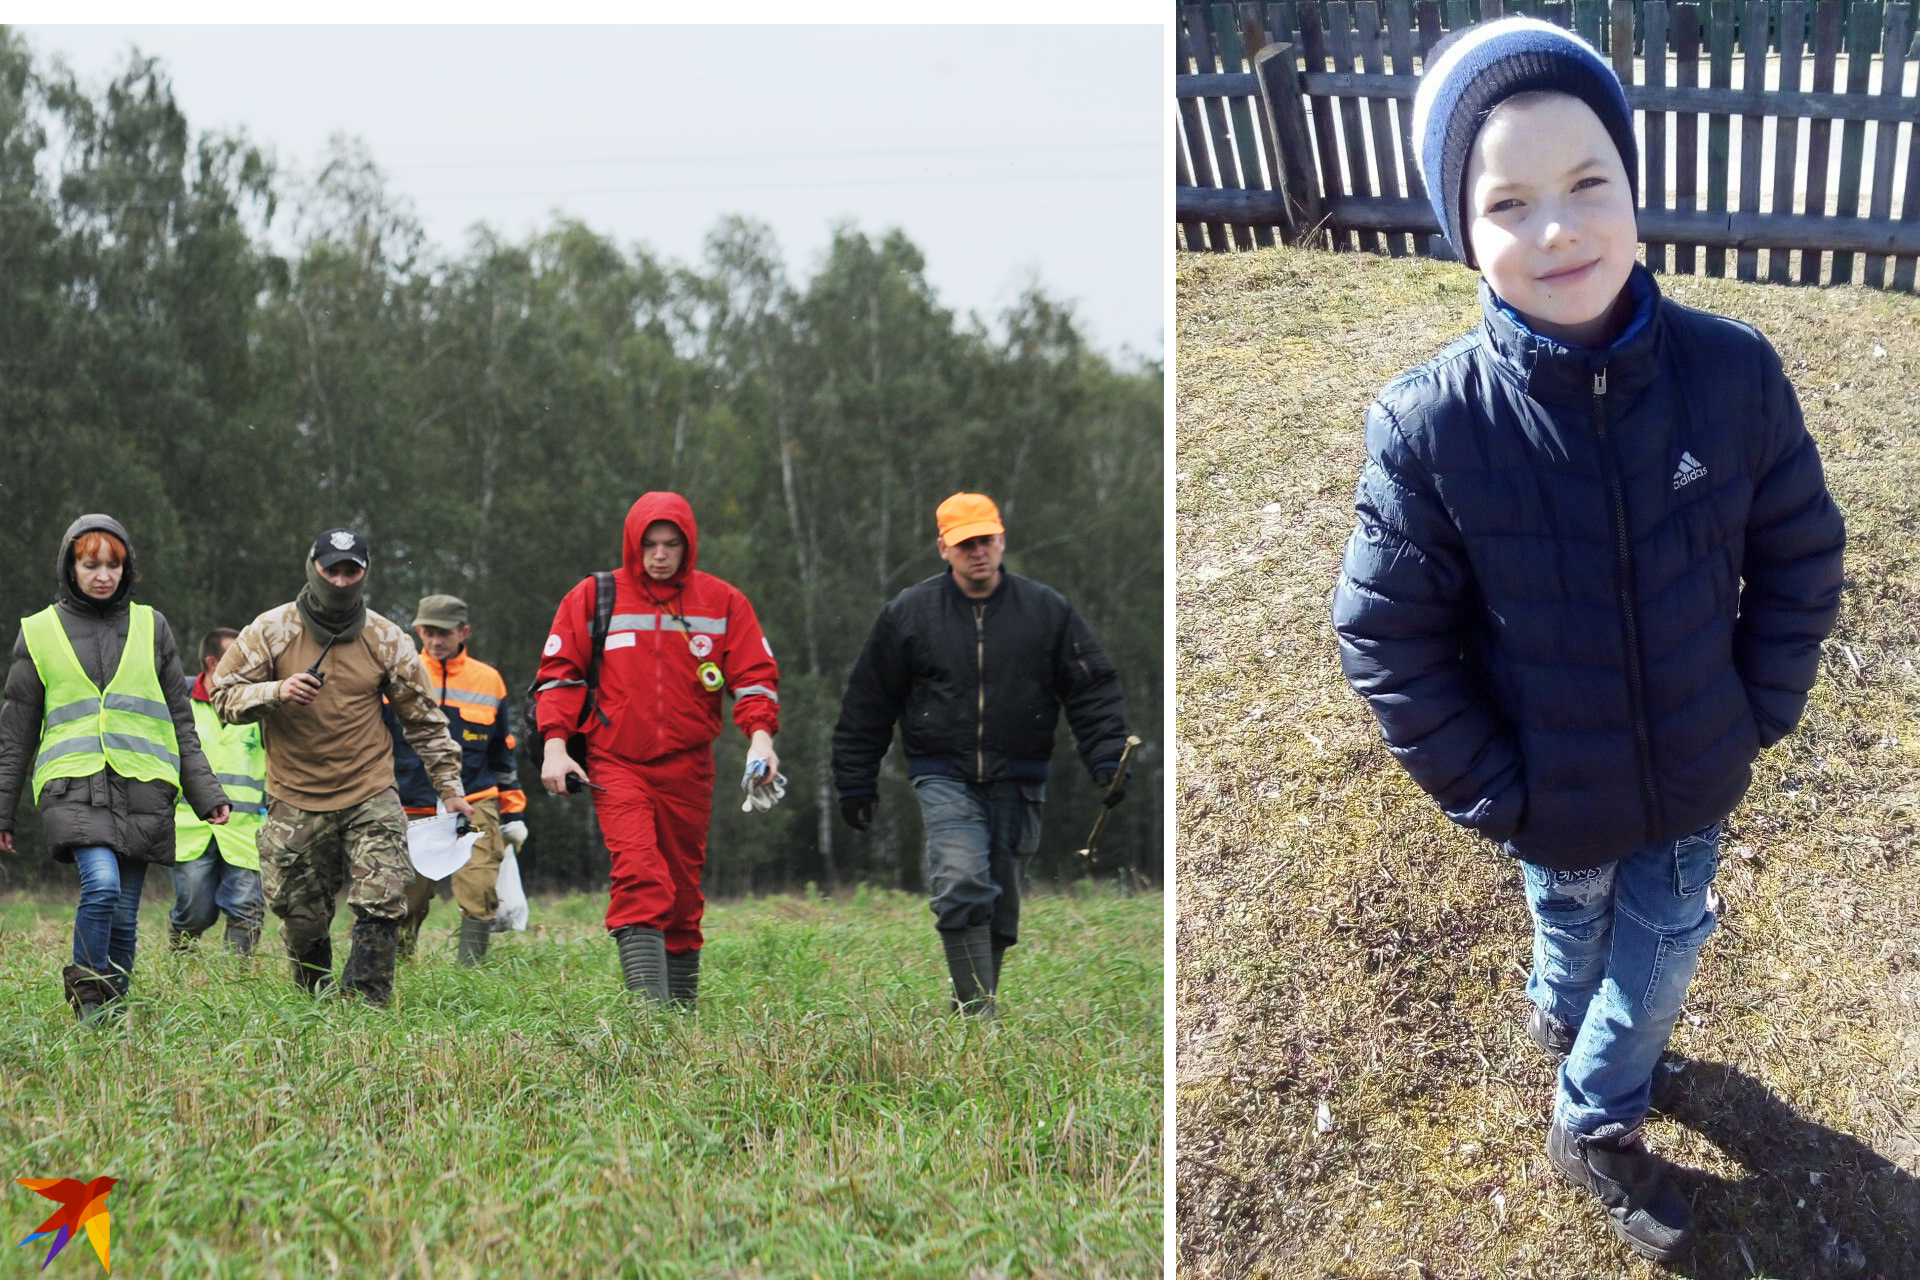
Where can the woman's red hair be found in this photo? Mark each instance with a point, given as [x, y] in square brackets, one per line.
[103, 547]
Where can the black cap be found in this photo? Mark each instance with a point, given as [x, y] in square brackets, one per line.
[335, 545]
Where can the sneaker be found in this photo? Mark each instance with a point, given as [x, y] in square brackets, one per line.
[1644, 1207]
[1555, 1039]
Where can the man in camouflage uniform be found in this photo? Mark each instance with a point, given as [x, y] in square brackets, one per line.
[313, 674]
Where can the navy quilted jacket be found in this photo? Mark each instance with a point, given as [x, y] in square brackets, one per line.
[1586, 587]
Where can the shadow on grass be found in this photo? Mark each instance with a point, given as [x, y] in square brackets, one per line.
[1814, 1201]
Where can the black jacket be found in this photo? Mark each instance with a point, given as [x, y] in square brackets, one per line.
[1588, 586]
[977, 686]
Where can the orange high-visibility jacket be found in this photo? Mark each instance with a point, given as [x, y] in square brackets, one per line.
[475, 699]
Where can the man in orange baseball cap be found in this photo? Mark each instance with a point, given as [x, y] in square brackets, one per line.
[975, 664]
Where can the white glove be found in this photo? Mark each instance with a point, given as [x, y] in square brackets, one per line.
[761, 796]
[514, 833]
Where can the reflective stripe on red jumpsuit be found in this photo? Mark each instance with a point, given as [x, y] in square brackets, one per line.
[654, 753]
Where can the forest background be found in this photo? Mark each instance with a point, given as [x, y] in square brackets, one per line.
[486, 416]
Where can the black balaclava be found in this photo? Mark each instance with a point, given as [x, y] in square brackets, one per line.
[332, 613]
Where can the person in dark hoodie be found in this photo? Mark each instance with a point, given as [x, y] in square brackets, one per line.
[679, 643]
[96, 717]
[1594, 560]
[313, 673]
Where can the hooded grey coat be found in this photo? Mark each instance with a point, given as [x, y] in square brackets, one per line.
[131, 817]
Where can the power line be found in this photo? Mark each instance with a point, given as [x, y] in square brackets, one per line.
[1144, 144]
[951, 181]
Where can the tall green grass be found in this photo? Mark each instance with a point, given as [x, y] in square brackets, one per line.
[823, 1114]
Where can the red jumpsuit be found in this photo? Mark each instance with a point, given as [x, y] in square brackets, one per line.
[654, 755]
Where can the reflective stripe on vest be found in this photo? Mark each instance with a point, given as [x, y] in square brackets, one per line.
[83, 729]
[240, 767]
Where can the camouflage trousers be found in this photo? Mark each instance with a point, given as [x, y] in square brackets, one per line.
[473, 884]
[306, 858]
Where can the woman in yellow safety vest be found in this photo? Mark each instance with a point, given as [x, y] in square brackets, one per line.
[96, 718]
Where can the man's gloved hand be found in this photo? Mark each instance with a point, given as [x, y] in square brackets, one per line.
[514, 832]
[858, 811]
[1103, 778]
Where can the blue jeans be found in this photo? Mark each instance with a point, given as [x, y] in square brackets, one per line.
[1614, 948]
[978, 841]
[104, 928]
[210, 886]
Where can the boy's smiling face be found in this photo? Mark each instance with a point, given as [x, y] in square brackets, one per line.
[1551, 216]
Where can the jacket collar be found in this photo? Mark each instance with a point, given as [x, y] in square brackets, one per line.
[451, 667]
[1550, 370]
[200, 692]
[992, 597]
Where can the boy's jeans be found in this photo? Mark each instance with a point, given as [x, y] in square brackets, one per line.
[209, 886]
[978, 842]
[1614, 948]
[104, 928]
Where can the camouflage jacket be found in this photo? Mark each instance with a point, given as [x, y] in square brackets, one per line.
[336, 751]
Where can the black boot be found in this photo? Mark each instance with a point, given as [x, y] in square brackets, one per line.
[1556, 1038]
[242, 937]
[88, 992]
[178, 939]
[473, 940]
[643, 961]
[683, 978]
[369, 971]
[1000, 945]
[1644, 1208]
[970, 965]
[313, 968]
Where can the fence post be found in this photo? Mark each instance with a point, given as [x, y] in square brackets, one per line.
[1287, 123]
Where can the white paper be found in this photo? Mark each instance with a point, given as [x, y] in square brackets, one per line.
[512, 912]
[434, 849]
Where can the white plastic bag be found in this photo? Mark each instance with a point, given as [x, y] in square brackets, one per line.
[435, 848]
[512, 911]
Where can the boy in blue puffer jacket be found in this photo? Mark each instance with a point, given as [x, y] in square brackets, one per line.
[1594, 561]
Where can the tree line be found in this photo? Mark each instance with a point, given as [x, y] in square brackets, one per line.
[486, 416]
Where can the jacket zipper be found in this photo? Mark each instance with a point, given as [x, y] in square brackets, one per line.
[1629, 622]
[980, 667]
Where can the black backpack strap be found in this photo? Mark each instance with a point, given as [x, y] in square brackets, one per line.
[602, 623]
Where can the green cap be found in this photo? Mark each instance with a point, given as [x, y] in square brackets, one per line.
[449, 613]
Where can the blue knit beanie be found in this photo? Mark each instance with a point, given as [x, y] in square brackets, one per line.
[1477, 68]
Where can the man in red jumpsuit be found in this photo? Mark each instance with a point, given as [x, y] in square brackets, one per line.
[679, 643]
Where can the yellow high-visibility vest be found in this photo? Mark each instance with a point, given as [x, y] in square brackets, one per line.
[240, 767]
[84, 729]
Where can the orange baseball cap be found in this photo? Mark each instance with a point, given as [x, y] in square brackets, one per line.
[967, 515]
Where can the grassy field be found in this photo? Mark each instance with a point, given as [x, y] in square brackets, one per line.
[822, 1114]
[1355, 1095]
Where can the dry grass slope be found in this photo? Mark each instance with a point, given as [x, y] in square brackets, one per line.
[1340, 944]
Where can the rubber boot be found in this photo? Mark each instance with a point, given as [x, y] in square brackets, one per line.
[242, 937]
[683, 978]
[88, 992]
[473, 940]
[643, 961]
[313, 969]
[970, 964]
[1644, 1207]
[1000, 945]
[369, 971]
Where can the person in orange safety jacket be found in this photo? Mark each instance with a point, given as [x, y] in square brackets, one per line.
[679, 644]
[474, 698]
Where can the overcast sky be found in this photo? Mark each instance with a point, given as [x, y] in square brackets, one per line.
[1008, 154]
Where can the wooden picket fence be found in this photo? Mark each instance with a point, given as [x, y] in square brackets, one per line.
[1292, 125]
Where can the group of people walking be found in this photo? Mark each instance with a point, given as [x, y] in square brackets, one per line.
[286, 772]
